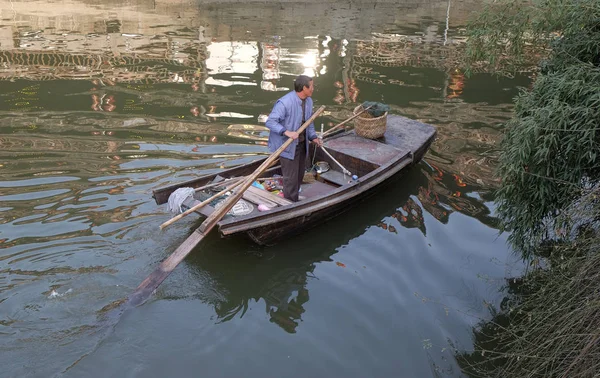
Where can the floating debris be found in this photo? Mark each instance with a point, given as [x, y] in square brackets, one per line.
[55, 294]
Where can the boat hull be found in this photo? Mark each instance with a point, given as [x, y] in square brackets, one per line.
[302, 220]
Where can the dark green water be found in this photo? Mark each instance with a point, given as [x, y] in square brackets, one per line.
[100, 104]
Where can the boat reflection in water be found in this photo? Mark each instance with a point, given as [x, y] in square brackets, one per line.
[280, 281]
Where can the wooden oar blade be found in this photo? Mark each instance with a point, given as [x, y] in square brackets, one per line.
[151, 283]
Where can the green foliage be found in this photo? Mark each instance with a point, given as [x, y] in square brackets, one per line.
[549, 326]
[550, 192]
[500, 35]
[549, 153]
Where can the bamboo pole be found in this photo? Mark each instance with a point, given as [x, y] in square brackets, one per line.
[216, 216]
[344, 122]
[336, 162]
[269, 178]
[147, 287]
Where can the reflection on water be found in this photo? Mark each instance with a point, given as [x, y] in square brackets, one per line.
[281, 279]
[188, 78]
[100, 104]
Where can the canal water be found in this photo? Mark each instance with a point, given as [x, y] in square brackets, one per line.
[102, 103]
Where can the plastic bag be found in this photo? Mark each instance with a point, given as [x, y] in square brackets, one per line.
[377, 108]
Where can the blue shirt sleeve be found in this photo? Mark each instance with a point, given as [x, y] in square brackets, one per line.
[274, 122]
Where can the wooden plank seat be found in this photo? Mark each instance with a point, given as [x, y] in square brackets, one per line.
[191, 202]
[257, 199]
[253, 194]
[266, 197]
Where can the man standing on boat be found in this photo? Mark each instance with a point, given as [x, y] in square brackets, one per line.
[288, 114]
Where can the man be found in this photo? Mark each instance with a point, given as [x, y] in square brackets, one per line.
[289, 113]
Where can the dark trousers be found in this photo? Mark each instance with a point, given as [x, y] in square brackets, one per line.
[293, 172]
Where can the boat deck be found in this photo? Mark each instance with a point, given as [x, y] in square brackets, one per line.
[316, 189]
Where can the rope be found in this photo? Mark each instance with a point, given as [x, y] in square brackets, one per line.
[315, 151]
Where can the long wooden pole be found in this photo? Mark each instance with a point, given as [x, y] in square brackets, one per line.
[232, 200]
[151, 283]
[345, 122]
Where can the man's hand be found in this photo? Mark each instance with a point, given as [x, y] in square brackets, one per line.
[291, 134]
[318, 142]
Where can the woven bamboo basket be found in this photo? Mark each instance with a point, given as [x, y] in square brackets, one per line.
[370, 128]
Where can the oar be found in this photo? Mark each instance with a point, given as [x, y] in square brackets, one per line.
[147, 287]
[345, 122]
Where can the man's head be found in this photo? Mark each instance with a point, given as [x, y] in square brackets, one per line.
[303, 85]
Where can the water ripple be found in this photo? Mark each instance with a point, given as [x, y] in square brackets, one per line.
[36, 181]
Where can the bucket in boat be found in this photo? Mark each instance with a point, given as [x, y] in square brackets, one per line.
[322, 166]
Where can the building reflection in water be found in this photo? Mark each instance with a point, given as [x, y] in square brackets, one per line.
[269, 65]
[130, 70]
[136, 72]
[456, 84]
[113, 56]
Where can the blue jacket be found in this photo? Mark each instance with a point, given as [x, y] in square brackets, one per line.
[287, 115]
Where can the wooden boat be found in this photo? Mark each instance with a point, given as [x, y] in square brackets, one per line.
[375, 162]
